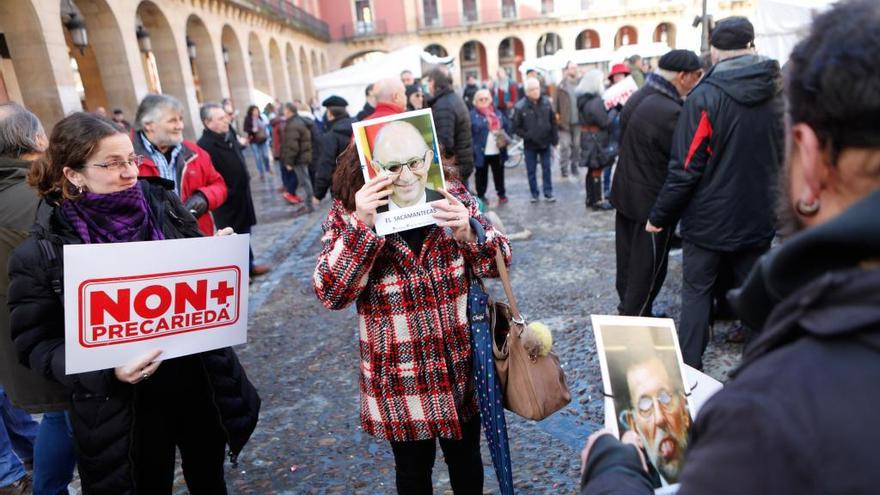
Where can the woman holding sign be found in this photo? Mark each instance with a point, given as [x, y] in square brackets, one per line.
[411, 289]
[126, 421]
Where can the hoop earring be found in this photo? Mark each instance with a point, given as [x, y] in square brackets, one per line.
[808, 209]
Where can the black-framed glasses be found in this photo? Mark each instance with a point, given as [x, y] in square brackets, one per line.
[664, 399]
[119, 165]
[416, 164]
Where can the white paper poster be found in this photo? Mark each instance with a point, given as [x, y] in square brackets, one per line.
[182, 296]
[619, 93]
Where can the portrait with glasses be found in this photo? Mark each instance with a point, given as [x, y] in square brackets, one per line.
[642, 371]
[404, 147]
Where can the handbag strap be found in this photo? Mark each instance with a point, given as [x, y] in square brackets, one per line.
[508, 290]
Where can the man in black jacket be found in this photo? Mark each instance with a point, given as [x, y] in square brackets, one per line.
[369, 105]
[238, 210]
[725, 157]
[336, 137]
[799, 414]
[534, 121]
[647, 123]
[452, 121]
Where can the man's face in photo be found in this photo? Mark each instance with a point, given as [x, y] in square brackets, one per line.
[401, 151]
[659, 416]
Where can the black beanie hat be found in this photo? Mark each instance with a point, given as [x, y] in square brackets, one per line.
[680, 61]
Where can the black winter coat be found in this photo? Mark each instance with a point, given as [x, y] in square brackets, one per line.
[333, 142]
[647, 124]
[591, 109]
[452, 121]
[102, 409]
[799, 415]
[535, 122]
[726, 153]
[238, 210]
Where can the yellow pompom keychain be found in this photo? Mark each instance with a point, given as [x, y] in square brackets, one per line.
[537, 339]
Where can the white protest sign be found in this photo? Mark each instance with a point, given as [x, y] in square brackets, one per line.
[182, 296]
[619, 93]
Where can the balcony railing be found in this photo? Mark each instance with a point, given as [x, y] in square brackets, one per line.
[362, 29]
[295, 16]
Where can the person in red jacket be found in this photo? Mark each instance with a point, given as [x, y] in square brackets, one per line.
[159, 139]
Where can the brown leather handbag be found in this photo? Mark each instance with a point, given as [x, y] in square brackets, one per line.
[533, 386]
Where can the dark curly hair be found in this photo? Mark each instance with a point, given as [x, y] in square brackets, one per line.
[833, 77]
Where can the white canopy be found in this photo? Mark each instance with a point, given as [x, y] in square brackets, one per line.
[780, 24]
[552, 64]
[350, 82]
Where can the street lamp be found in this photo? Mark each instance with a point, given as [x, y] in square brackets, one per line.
[144, 42]
[191, 49]
[78, 34]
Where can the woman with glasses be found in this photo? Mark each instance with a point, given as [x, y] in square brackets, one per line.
[489, 128]
[128, 421]
[410, 289]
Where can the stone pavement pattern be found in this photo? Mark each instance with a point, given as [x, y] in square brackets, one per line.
[304, 358]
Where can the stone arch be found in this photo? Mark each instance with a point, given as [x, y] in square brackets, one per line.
[548, 44]
[258, 65]
[437, 50]
[40, 71]
[277, 66]
[511, 53]
[626, 35]
[306, 74]
[361, 57]
[588, 38]
[316, 70]
[472, 59]
[236, 67]
[165, 56]
[665, 33]
[292, 76]
[206, 73]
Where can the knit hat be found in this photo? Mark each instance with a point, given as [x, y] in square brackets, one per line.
[680, 61]
[733, 33]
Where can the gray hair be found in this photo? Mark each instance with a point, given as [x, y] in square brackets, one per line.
[205, 111]
[151, 109]
[20, 131]
[531, 82]
[669, 75]
[593, 83]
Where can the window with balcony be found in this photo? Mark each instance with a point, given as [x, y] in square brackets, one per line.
[364, 13]
[469, 10]
[429, 11]
[508, 9]
[547, 6]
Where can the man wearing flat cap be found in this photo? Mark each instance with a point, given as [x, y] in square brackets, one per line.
[647, 122]
[335, 138]
[726, 153]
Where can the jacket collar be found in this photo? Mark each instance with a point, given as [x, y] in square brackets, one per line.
[663, 87]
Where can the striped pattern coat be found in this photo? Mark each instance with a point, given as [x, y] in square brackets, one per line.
[416, 378]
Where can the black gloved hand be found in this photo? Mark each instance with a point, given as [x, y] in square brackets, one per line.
[197, 204]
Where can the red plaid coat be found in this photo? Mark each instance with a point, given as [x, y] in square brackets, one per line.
[416, 378]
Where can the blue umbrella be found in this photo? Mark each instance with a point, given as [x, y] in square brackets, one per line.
[489, 387]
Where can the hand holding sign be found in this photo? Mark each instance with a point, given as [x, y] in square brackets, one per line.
[140, 368]
[453, 214]
[372, 195]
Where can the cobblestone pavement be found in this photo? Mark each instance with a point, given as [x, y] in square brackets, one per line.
[304, 358]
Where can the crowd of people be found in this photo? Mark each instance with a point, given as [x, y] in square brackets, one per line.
[729, 153]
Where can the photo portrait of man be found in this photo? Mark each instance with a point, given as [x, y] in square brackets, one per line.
[400, 150]
[649, 395]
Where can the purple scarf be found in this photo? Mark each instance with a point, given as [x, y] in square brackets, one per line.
[116, 217]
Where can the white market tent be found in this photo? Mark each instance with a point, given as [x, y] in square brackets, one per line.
[780, 24]
[552, 64]
[350, 82]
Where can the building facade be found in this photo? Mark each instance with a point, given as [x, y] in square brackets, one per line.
[60, 56]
